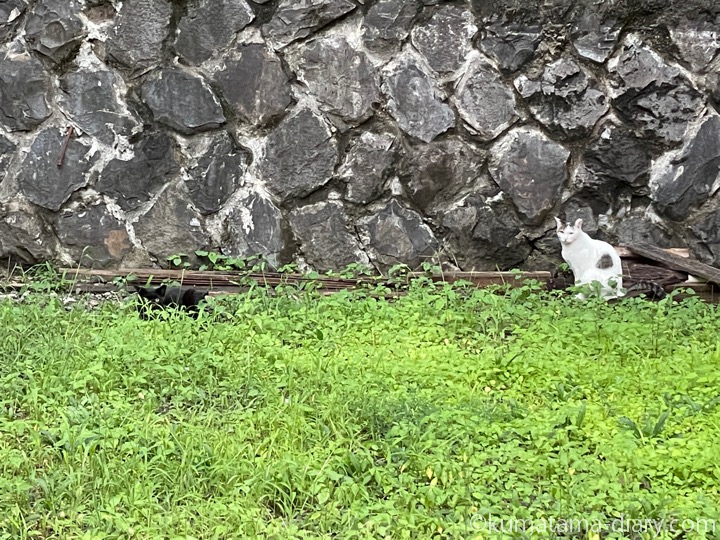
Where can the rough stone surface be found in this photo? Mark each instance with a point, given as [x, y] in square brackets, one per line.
[10, 15]
[141, 27]
[531, 168]
[510, 44]
[217, 174]
[96, 3]
[635, 229]
[594, 36]
[54, 29]
[414, 101]
[713, 84]
[182, 102]
[368, 164]
[565, 99]
[257, 227]
[618, 157]
[134, 182]
[93, 236]
[435, 173]
[296, 19]
[42, 181]
[387, 24]
[300, 156]
[687, 181]
[254, 84]
[91, 99]
[172, 216]
[24, 88]
[404, 123]
[397, 235]
[652, 95]
[583, 208]
[698, 40]
[485, 102]
[444, 40]
[327, 239]
[209, 26]
[7, 147]
[485, 238]
[25, 236]
[342, 79]
[99, 12]
[704, 238]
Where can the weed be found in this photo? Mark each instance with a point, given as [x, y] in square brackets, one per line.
[292, 414]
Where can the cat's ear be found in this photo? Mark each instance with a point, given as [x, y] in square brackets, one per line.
[578, 224]
[559, 223]
[161, 290]
[142, 291]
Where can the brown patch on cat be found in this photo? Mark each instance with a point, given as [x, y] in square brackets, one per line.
[605, 262]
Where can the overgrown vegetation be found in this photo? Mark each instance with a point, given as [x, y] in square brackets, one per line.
[356, 415]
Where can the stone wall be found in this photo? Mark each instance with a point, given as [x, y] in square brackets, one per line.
[331, 132]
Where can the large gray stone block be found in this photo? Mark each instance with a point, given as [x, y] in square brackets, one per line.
[397, 235]
[595, 34]
[652, 95]
[326, 236]
[25, 235]
[300, 156]
[296, 19]
[531, 169]
[54, 29]
[135, 181]
[24, 90]
[172, 227]
[11, 12]
[252, 81]
[93, 236]
[617, 158]
[698, 39]
[387, 24]
[483, 237]
[685, 181]
[257, 227]
[434, 174]
[367, 165]
[564, 98]
[182, 101]
[141, 27]
[445, 39]
[209, 26]
[510, 44]
[7, 149]
[704, 237]
[341, 77]
[415, 101]
[484, 101]
[42, 181]
[217, 174]
[92, 99]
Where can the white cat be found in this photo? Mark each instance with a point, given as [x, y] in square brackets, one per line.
[590, 260]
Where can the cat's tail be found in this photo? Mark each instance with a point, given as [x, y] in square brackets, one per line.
[651, 289]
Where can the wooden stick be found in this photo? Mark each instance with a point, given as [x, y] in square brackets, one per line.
[691, 266]
[69, 134]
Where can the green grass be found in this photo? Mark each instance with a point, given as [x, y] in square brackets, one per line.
[301, 416]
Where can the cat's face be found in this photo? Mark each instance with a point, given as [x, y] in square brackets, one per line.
[151, 295]
[568, 233]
